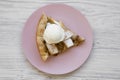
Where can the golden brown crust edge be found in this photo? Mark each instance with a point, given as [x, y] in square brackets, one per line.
[39, 37]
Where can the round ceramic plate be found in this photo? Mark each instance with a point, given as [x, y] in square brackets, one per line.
[68, 61]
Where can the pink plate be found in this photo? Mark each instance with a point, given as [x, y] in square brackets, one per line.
[72, 58]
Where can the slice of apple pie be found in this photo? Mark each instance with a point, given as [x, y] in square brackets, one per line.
[53, 37]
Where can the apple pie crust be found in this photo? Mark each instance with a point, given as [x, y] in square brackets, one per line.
[45, 49]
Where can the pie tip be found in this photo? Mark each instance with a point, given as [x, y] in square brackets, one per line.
[44, 58]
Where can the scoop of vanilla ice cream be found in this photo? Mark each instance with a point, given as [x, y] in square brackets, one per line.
[53, 33]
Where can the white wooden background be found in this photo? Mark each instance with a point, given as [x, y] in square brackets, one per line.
[104, 61]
